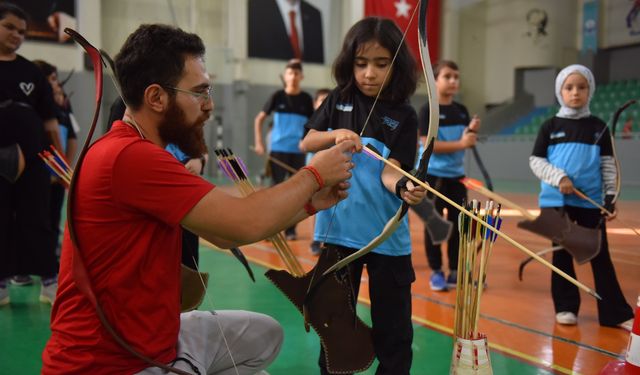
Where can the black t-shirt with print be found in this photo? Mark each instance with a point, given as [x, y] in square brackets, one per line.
[22, 81]
[395, 125]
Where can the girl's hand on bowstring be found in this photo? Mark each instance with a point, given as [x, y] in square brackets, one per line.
[343, 135]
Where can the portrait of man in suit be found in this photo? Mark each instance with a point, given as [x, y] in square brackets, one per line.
[285, 29]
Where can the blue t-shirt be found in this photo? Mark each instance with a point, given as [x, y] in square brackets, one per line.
[454, 118]
[575, 146]
[392, 130]
[291, 113]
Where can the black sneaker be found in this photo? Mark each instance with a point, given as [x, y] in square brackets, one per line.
[21, 280]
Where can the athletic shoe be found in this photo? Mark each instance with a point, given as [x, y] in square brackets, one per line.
[566, 318]
[452, 279]
[628, 325]
[316, 248]
[290, 237]
[48, 293]
[437, 281]
[21, 280]
[4, 296]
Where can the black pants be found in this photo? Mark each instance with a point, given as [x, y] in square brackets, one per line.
[390, 279]
[457, 192]
[613, 309]
[27, 246]
[279, 174]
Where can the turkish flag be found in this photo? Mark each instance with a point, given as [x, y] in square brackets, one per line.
[400, 12]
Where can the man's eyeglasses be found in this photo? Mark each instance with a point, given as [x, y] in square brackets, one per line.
[203, 96]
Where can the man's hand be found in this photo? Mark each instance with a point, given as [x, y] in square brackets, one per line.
[334, 164]
[194, 166]
[565, 186]
[329, 196]
[411, 193]
[343, 135]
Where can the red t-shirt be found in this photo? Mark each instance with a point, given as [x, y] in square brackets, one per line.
[131, 197]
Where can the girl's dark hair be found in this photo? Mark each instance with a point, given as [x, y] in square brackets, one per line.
[46, 68]
[402, 82]
[154, 54]
[10, 8]
[437, 67]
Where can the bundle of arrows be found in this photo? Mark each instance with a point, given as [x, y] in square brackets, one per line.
[235, 169]
[470, 352]
[57, 164]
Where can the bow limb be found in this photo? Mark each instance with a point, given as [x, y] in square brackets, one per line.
[482, 168]
[79, 271]
[434, 118]
[614, 125]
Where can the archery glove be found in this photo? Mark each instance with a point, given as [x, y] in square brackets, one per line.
[401, 184]
[609, 204]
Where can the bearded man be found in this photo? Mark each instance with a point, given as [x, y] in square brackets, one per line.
[131, 199]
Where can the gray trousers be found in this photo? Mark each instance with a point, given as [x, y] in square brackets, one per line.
[251, 341]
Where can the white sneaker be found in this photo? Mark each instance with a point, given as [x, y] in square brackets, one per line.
[4, 296]
[566, 318]
[628, 325]
[48, 293]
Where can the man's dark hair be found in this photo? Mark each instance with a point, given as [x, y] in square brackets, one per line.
[10, 8]
[386, 33]
[154, 54]
[437, 67]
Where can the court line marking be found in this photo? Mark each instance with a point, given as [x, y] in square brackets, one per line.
[447, 330]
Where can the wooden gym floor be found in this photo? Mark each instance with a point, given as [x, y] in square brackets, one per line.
[517, 316]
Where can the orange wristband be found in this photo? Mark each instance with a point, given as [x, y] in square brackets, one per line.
[316, 174]
[310, 210]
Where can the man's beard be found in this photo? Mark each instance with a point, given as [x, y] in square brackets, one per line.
[188, 137]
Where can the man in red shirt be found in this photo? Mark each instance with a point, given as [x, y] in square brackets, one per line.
[132, 197]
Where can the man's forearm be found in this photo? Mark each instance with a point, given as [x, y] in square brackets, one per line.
[223, 219]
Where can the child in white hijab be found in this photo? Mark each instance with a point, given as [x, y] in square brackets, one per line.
[574, 150]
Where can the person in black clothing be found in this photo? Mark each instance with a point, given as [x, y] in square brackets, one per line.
[68, 137]
[27, 245]
[270, 31]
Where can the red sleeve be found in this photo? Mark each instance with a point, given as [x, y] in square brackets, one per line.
[147, 178]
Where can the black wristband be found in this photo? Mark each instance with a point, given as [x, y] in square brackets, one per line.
[401, 184]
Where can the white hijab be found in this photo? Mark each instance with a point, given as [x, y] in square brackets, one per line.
[567, 112]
